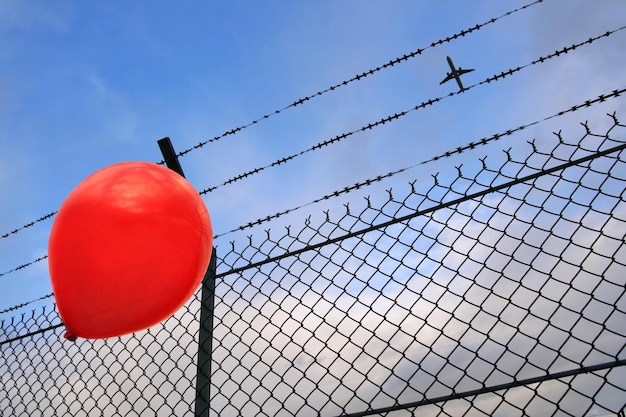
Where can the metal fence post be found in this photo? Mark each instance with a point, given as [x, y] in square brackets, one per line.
[205, 336]
[205, 340]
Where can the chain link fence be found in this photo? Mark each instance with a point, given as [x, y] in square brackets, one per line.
[497, 290]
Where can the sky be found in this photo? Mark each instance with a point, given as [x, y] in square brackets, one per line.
[84, 85]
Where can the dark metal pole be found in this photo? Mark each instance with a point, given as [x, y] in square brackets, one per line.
[207, 304]
[205, 340]
[171, 159]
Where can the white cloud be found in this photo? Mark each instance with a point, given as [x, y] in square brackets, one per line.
[322, 329]
[491, 335]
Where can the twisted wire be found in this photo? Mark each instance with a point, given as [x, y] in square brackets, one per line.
[542, 59]
[472, 145]
[27, 264]
[319, 93]
[397, 116]
[360, 76]
[335, 193]
[473, 295]
[24, 304]
[459, 150]
[454, 202]
[26, 226]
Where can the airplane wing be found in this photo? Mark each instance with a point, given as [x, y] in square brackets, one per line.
[448, 78]
[461, 71]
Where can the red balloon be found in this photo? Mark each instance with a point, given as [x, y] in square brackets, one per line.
[128, 247]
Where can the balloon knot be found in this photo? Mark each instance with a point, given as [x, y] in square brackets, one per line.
[70, 336]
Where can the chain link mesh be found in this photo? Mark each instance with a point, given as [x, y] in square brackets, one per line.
[497, 290]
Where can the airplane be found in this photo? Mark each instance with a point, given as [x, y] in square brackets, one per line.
[456, 73]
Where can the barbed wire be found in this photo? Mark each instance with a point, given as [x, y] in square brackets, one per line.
[24, 304]
[335, 193]
[563, 51]
[459, 150]
[360, 76]
[397, 116]
[565, 163]
[365, 183]
[27, 264]
[300, 101]
[588, 103]
[26, 226]
[396, 220]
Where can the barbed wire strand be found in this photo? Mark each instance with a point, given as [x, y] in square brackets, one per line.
[24, 304]
[300, 101]
[459, 150]
[27, 264]
[467, 197]
[397, 116]
[391, 222]
[484, 141]
[360, 76]
[471, 145]
[26, 226]
[390, 118]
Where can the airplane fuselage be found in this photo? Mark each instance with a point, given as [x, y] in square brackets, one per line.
[455, 73]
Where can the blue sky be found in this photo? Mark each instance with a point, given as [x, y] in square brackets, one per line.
[85, 84]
